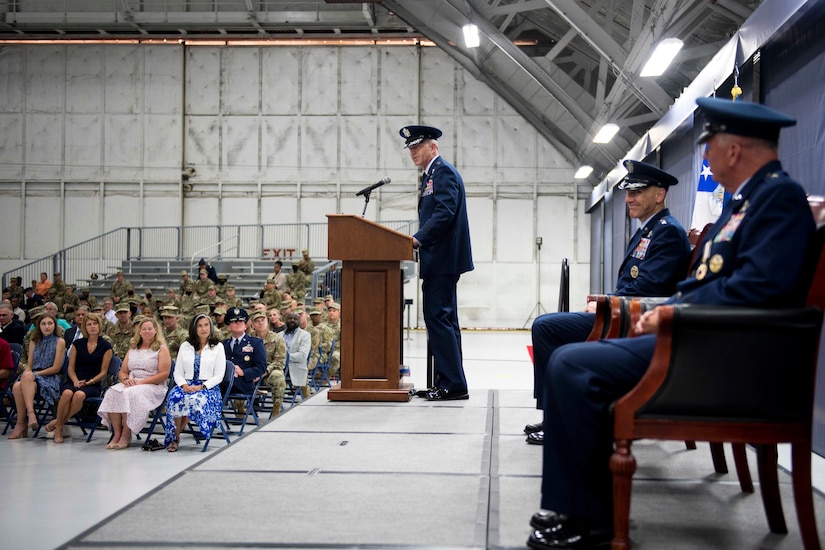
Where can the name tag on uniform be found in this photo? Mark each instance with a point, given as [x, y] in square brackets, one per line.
[641, 249]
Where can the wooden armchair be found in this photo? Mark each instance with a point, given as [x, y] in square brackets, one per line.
[725, 374]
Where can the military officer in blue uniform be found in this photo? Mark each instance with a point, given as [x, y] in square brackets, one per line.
[751, 257]
[246, 352]
[443, 242]
[656, 259]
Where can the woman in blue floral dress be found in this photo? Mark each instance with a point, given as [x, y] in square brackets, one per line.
[46, 353]
[199, 371]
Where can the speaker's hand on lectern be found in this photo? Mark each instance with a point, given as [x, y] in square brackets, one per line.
[416, 244]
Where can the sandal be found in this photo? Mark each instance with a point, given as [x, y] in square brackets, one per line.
[173, 447]
[22, 434]
[33, 424]
[51, 426]
[152, 445]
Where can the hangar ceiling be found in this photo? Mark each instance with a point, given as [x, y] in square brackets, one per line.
[567, 66]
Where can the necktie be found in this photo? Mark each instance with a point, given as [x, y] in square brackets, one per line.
[234, 343]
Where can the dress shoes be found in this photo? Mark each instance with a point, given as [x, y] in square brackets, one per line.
[438, 394]
[532, 428]
[546, 520]
[570, 533]
[535, 438]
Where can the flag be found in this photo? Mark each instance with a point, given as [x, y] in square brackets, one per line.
[710, 198]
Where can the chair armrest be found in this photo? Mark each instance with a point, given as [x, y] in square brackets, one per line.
[728, 363]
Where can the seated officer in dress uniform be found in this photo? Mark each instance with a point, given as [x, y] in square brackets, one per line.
[246, 352]
[751, 257]
[655, 260]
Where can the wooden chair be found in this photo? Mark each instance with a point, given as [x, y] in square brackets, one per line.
[739, 391]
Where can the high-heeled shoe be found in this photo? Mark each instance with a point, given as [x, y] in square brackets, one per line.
[22, 434]
[33, 424]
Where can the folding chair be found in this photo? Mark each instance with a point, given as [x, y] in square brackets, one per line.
[87, 417]
[158, 414]
[6, 397]
[322, 369]
[230, 412]
[228, 381]
[42, 410]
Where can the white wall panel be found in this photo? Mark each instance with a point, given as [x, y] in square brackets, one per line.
[239, 150]
[516, 149]
[82, 213]
[162, 147]
[515, 239]
[122, 146]
[201, 211]
[44, 146]
[315, 210]
[319, 148]
[11, 243]
[203, 77]
[45, 79]
[162, 210]
[83, 144]
[557, 227]
[279, 210]
[399, 82]
[163, 79]
[121, 210]
[478, 143]
[281, 76]
[393, 159]
[480, 216]
[359, 149]
[123, 84]
[11, 80]
[241, 77]
[359, 85]
[241, 211]
[84, 79]
[11, 139]
[437, 83]
[42, 231]
[280, 145]
[319, 90]
[202, 146]
[477, 98]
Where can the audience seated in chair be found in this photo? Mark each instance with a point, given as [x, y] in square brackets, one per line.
[275, 359]
[298, 346]
[11, 329]
[89, 360]
[752, 257]
[141, 387]
[42, 375]
[199, 370]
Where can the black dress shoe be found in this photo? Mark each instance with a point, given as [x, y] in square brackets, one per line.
[535, 438]
[532, 428]
[423, 393]
[438, 394]
[570, 533]
[546, 520]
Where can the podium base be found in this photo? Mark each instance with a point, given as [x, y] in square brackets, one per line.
[402, 394]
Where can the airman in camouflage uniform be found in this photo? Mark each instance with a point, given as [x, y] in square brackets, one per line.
[298, 281]
[188, 301]
[203, 283]
[120, 288]
[334, 312]
[220, 286]
[58, 284]
[175, 335]
[184, 280]
[271, 296]
[231, 299]
[172, 298]
[306, 265]
[275, 359]
[322, 336]
[122, 331]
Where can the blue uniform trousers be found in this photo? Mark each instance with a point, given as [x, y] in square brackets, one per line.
[551, 331]
[582, 380]
[441, 317]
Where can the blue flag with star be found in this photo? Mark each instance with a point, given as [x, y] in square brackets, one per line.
[710, 198]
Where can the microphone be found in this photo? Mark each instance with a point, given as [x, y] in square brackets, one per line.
[369, 189]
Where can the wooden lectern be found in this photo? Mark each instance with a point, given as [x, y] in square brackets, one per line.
[371, 305]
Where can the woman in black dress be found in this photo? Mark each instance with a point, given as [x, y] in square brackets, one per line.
[88, 364]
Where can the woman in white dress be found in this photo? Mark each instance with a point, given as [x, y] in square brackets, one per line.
[142, 387]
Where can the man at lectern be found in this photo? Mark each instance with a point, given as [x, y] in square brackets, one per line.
[443, 242]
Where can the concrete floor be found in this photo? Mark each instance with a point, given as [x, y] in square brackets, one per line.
[342, 475]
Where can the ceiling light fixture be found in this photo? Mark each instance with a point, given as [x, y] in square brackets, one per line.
[606, 133]
[471, 39]
[662, 56]
[583, 172]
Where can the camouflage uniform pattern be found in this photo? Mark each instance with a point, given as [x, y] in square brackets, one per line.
[275, 363]
[120, 289]
[298, 283]
[120, 339]
[174, 339]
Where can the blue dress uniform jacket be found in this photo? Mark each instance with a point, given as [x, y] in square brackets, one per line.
[444, 236]
[752, 257]
[444, 232]
[656, 258]
[755, 249]
[250, 355]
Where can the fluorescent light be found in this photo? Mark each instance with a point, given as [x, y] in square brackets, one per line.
[664, 53]
[606, 133]
[471, 39]
[583, 172]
